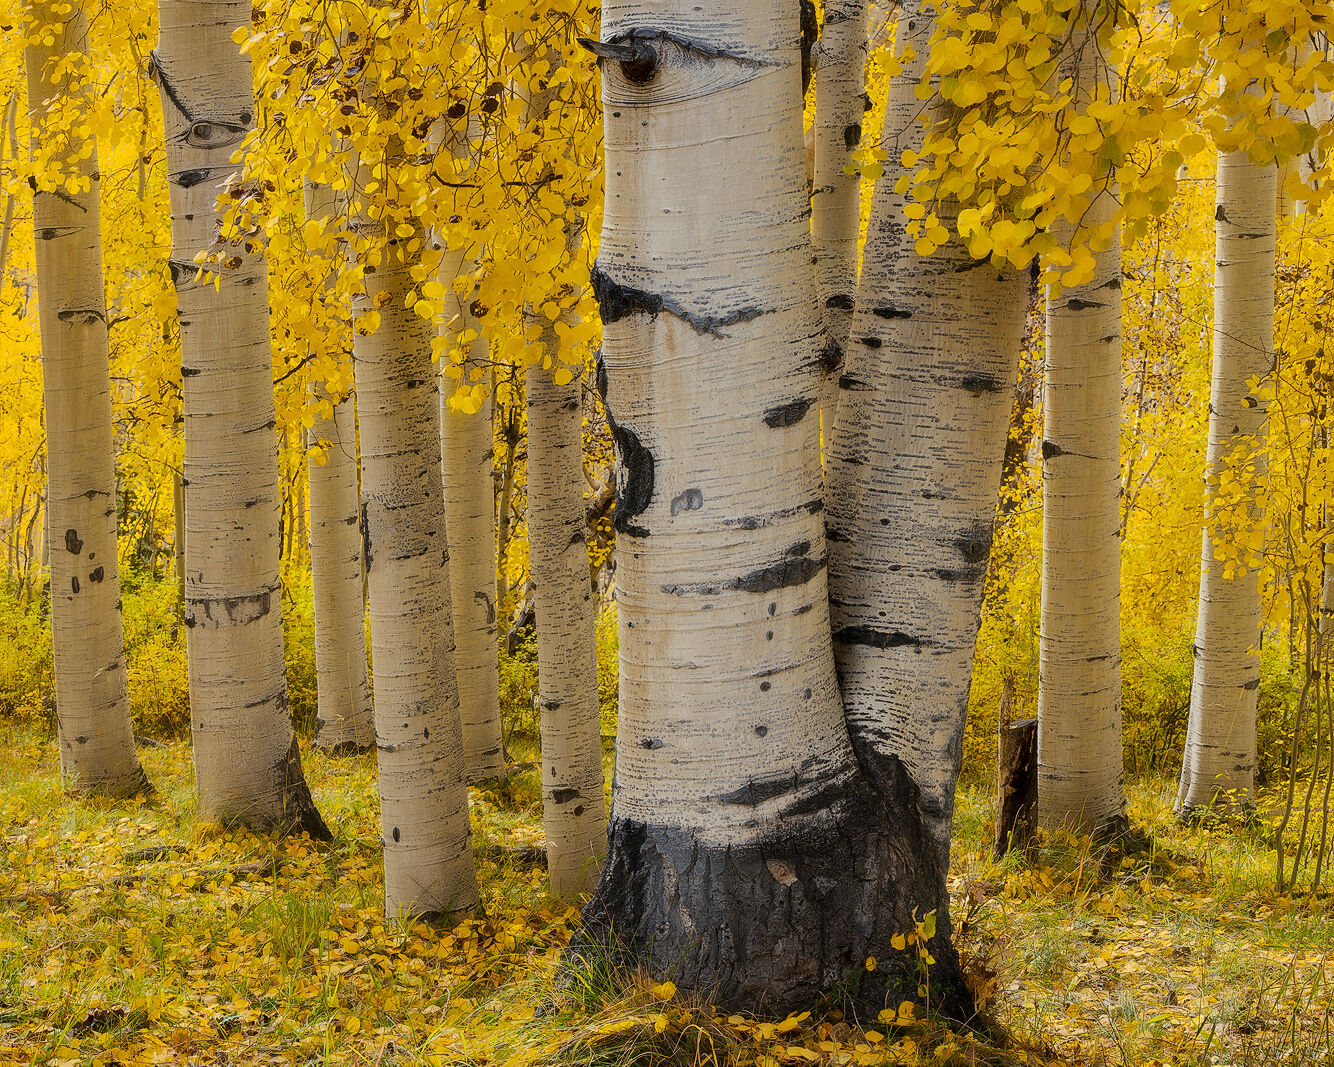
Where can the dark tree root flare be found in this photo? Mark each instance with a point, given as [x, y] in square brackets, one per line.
[777, 924]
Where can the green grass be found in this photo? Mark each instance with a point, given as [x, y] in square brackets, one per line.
[132, 933]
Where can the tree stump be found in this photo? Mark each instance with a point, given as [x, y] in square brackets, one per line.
[1016, 776]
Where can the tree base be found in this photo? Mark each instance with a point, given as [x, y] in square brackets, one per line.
[134, 784]
[343, 748]
[773, 924]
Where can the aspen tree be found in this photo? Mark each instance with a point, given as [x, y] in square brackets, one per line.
[840, 101]
[346, 720]
[750, 855]
[247, 763]
[913, 473]
[92, 697]
[1218, 767]
[468, 452]
[428, 864]
[574, 813]
[1080, 765]
[573, 810]
[467, 448]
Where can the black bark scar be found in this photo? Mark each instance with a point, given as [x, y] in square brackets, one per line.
[616, 301]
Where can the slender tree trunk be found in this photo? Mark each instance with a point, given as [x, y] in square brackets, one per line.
[508, 417]
[750, 856]
[468, 452]
[1220, 757]
[573, 811]
[92, 697]
[178, 545]
[428, 864]
[1080, 764]
[913, 478]
[840, 101]
[346, 718]
[247, 764]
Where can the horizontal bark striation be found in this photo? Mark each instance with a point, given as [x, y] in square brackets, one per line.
[773, 923]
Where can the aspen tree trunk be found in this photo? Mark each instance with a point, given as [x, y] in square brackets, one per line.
[1220, 757]
[507, 416]
[468, 454]
[750, 856]
[840, 102]
[466, 446]
[428, 864]
[178, 545]
[574, 813]
[247, 764]
[346, 719]
[92, 697]
[913, 475]
[1080, 763]
[573, 810]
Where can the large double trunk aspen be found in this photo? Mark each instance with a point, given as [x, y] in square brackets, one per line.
[247, 764]
[428, 864]
[1218, 767]
[92, 698]
[574, 814]
[751, 856]
[468, 454]
[840, 102]
[1080, 764]
[346, 720]
[913, 474]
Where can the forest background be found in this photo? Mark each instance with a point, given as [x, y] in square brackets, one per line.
[1166, 346]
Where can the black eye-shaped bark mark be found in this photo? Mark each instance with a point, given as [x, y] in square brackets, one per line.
[639, 51]
[638, 58]
[73, 543]
[214, 134]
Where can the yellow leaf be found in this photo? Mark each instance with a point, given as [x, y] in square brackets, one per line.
[662, 991]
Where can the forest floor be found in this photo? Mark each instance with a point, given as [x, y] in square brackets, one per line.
[129, 933]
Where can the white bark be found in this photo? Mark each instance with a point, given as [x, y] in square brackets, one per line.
[92, 698]
[1219, 762]
[840, 101]
[247, 764]
[573, 811]
[749, 853]
[346, 718]
[1080, 763]
[709, 381]
[468, 458]
[423, 799]
[913, 473]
